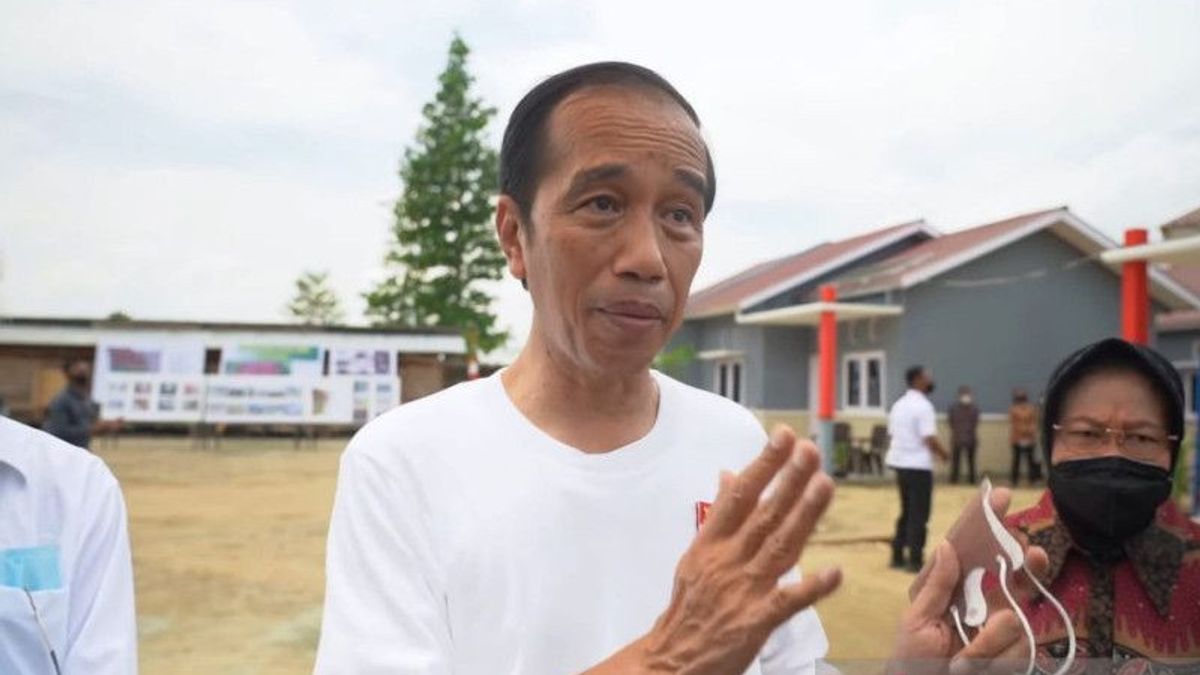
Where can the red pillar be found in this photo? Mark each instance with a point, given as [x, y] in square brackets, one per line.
[1135, 293]
[827, 354]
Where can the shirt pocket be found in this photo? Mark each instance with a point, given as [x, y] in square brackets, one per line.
[23, 646]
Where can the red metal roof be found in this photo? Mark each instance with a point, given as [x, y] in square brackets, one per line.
[890, 273]
[1187, 222]
[724, 296]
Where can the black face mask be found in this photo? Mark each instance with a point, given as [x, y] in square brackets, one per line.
[1106, 500]
[929, 387]
[80, 380]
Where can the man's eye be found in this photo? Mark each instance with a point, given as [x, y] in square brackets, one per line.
[1088, 434]
[602, 203]
[681, 216]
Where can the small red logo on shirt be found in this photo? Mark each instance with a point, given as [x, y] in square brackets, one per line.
[702, 512]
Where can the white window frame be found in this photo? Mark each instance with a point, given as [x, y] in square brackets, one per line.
[738, 396]
[862, 359]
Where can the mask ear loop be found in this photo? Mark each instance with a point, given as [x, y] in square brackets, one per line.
[1017, 609]
[1070, 660]
[962, 633]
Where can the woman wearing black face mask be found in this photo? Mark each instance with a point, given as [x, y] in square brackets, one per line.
[1124, 560]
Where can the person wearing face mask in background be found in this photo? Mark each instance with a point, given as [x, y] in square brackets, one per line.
[72, 415]
[964, 438]
[912, 425]
[1022, 432]
[1123, 559]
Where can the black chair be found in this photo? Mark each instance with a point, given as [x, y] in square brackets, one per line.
[872, 454]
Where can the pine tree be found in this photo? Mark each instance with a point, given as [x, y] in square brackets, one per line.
[443, 240]
[315, 303]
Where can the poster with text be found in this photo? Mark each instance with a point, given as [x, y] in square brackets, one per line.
[151, 398]
[249, 399]
[273, 359]
[373, 396]
[349, 361]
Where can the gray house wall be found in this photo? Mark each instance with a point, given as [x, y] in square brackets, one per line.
[1178, 346]
[786, 351]
[998, 336]
[720, 333]
[871, 335]
[774, 359]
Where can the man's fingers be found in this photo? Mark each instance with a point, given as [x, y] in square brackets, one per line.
[781, 549]
[787, 492]
[933, 601]
[788, 599]
[1001, 642]
[737, 498]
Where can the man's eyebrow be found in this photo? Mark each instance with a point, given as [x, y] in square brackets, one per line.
[586, 178]
[693, 180]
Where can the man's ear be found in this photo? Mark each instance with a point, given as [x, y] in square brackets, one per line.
[510, 232]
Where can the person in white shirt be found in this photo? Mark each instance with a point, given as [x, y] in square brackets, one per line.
[912, 425]
[577, 512]
[66, 577]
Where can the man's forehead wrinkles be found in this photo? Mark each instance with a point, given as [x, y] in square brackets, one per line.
[674, 148]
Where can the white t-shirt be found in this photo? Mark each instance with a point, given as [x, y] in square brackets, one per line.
[465, 540]
[911, 420]
[63, 539]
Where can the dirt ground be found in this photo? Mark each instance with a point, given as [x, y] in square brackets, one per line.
[228, 550]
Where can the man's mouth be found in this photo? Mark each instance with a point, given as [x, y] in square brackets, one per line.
[631, 309]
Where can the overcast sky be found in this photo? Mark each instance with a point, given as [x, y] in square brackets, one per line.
[188, 160]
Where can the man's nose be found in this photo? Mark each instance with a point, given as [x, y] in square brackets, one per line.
[640, 256]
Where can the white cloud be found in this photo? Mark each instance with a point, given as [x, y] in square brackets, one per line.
[215, 62]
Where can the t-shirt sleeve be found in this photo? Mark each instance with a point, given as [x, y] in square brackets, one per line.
[385, 609]
[101, 625]
[795, 647]
[926, 421]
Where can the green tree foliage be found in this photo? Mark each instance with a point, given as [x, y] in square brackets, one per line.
[443, 244]
[315, 304]
[674, 362]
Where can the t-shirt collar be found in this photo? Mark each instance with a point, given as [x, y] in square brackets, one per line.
[13, 451]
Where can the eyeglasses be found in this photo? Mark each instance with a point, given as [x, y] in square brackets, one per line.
[1138, 444]
[37, 616]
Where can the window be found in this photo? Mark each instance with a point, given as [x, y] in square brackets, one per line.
[863, 381]
[728, 379]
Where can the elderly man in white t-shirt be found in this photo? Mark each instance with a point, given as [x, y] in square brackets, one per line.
[912, 424]
[577, 511]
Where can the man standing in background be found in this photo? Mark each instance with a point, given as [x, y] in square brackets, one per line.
[1023, 431]
[964, 438]
[72, 413]
[912, 424]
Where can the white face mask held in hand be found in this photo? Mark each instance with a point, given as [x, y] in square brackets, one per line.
[982, 543]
